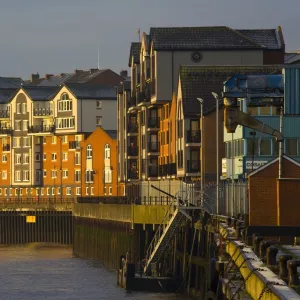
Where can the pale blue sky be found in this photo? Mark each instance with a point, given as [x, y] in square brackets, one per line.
[57, 36]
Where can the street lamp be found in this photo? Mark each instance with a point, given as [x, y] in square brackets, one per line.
[215, 95]
[201, 139]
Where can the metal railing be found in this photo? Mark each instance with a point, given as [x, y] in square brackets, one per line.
[132, 127]
[193, 136]
[5, 130]
[6, 147]
[131, 102]
[42, 112]
[4, 113]
[193, 166]
[20, 200]
[41, 128]
[140, 97]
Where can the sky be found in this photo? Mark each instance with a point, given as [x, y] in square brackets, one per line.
[58, 36]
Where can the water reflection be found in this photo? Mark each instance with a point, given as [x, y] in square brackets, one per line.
[38, 272]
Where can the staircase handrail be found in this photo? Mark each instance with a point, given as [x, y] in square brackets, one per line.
[159, 230]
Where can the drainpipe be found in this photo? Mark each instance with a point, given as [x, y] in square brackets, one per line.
[281, 142]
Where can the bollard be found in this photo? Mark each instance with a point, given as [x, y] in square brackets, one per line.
[283, 271]
[263, 247]
[271, 256]
[256, 243]
[292, 270]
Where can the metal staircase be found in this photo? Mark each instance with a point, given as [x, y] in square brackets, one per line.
[163, 235]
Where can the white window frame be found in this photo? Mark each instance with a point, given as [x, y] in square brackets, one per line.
[65, 156]
[44, 156]
[54, 157]
[25, 156]
[87, 190]
[65, 139]
[24, 108]
[4, 175]
[18, 175]
[18, 159]
[25, 125]
[89, 152]
[54, 173]
[26, 142]
[92, 190]
[98, 104]
[68, 191]
[37, 156]
[65, 123]
[44, 173]
[19, 108]
[78, 191]
[18, 125]
[77, 175]
[65, 173]
[77, 158]
[53, 139]
[4, 158]
[107, 151]
[98, 121]
[110, 190]
[26, 175]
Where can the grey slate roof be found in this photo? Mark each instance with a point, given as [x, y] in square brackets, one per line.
[268, 38]
[87, 91]
[6, 95]
[135, 49]
[201, 81]
[292, 58]
[112, 133]
[10, 82]
[212, 38]
[41, 93]
[55, 80]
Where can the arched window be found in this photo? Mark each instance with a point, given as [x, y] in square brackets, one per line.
[65, 103]
[64, 96]
[107, 151]
[89, 152]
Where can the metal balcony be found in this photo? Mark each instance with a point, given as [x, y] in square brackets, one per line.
[73, 145]
[153, 147]
[132, 174]
[152, 171]
[133, 151]
[41, 129]
[140, 97]
[6, 147]
[193, 166]
[132, 127]
[193, 136]
[37, 112]
[4, 114]
[131, 102]
[153, 122]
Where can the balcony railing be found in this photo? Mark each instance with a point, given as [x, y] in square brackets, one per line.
[153, 122]
[41, 129]
[152, 171]
[167, 170]
[193, 136]
[132, 127]
[5, 130]
[133, 151]
[132, 174]
[6, 147]
[74, 145]
[140, 97]
[147, 92]
[131, 102]
[153, 90]
[4, 113]
[42, 112]
[153, 147]
[193, 166]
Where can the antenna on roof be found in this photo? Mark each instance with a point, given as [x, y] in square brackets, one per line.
[98, 58]
[138, 32]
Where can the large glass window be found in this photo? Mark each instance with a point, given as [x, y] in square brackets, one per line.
[253, 111]
[89, 152]
[65, 103]
[107, 151]
[252, 147]
[265, 147]
[291, 146]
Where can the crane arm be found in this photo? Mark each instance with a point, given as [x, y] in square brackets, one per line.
[233, 117]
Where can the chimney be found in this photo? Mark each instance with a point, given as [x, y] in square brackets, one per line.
[35, 77]
[62, 75]
[124, 73]
[78, 71]
[92, 71]
[48, 76]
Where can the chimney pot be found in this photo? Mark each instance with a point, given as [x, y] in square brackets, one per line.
[48, 76]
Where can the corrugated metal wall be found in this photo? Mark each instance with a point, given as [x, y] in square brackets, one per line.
[292, 90]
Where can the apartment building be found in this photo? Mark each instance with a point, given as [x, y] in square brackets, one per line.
[155, 63]
[41, 128]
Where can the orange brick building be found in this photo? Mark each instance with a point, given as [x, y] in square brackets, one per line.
[270, 198]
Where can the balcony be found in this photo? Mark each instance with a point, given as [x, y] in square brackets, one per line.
[4, 114]
[41, 129]
[6, 147]
[193, 136]
[153, 90]
[132, 127]
[147, 92]
[132, 174]
[6, 130]
[153, 122]
[193, 166]
[152, 171]
[131, 102]
[141, 97]
[73, 145]
[153, 147]
[132, 151]
[167, 170]
[41, 112]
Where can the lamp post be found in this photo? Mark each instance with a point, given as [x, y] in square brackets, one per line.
[217, 147]
[201, 140]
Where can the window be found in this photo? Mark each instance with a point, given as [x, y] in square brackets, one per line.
[53, 140]
[44, 173]
[16, 142]
[87, 190]
[65, 139]
[77, 175]
[58, 191]
[252, 147]
[78, 138]
[78, 191]
[98, 121]
[89, 152]
[107, 175]
[5, 192]
[62, 123]
[37, 191]
[4, 158]
[265, 147]
[68, 191]
[44, 156]
[26, 175]
[48, 191]
[44, 140]
[42, 191]
[265, 111]
[54, 173]
[26, 142]
[4, 175]
[107, 151]
[38, 175]
[65, 104]
[99, 104]
[89, 176]
[25, 125]
[110, 190]
[65, 156]
[26, 158]
[77, 158]
[53, 156]
[275, 111]
[18, 108]
[24, 108]
[18, 125]
[65, 173]
[0, 191]
[253, 111]
[37, 140]
[18, 159]
[17, 175]
[53, 191]
[291, 146]
[37, 157]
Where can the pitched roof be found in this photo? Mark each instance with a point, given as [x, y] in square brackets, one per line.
[292, 58]
[112, 133]
[218, 37]
[201, 81]
[88, 91]
[6, 95]
[10, 82]
[55, 80]
[41, 93]
[271, 163]
[135, 49]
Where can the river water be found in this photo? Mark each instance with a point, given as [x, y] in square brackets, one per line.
[38, 272]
